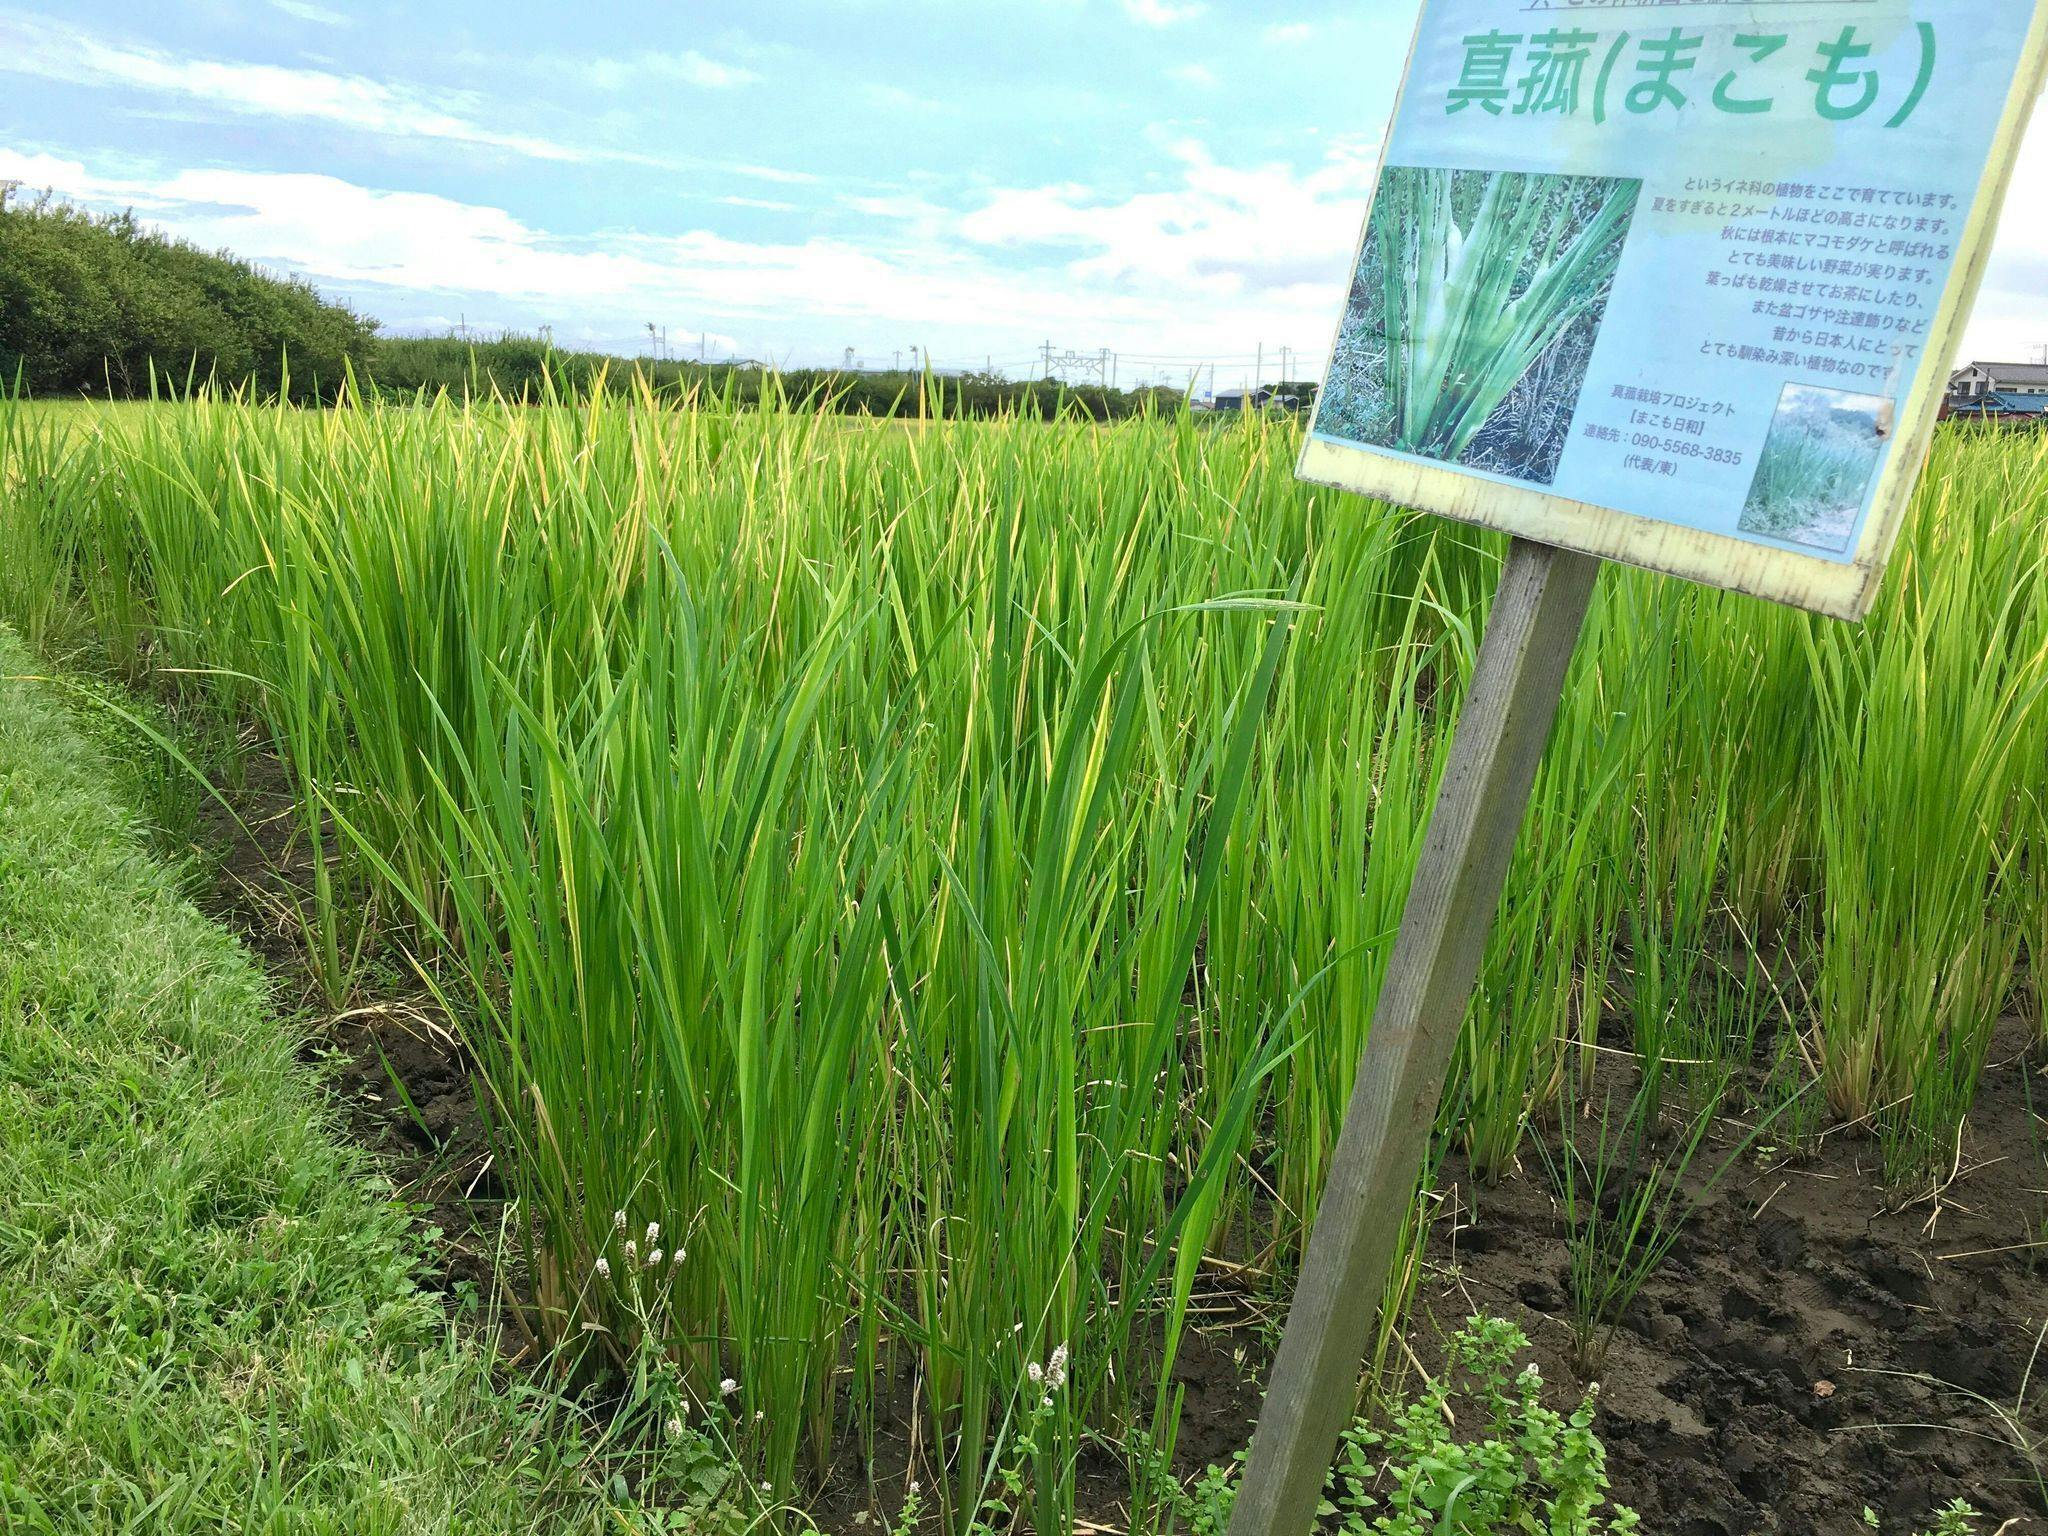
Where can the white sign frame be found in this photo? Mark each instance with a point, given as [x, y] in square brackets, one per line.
[1843, 590]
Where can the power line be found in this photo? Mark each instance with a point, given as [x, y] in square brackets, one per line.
[1069, 366]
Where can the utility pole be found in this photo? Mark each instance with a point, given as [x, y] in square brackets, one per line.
[1258, 373]
[703, 346]
[899, 359]
[848, 364]
[1285, 354]
[1046, 371]
[653, 341]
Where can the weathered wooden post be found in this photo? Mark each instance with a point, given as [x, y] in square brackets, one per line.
[1613, 274]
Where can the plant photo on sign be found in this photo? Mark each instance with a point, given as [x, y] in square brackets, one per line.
[1474, 308]
[1823, 448]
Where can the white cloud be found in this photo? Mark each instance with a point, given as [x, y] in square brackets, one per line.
[1192, 74]
[1289, 32]
[2011, 316]
[1208, 261]
[52, 51]
[894, 98]
[776, 174]
[772, 205]
[1149, 291]
[306, 10]
[1162, 13]
[70, 55]
[913, 216]
[1224, 232]
[688, 67]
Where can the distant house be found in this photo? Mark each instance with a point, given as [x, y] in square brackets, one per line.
[1980, 379]
[2003, 406]
[1254, 400]
[2015, 394]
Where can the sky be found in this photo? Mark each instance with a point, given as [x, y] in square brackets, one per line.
[1178, 182]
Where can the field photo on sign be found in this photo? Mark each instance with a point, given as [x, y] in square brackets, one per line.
[1823, 448]
[1474, 308]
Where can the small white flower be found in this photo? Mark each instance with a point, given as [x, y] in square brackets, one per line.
[603, 1267]
[632, 1251]
[619, 1222]
[860, 1517]
[675, 1427]
[653, 1233]
[1532, 1372]
[768, 1488]
[1036, 1372]
[1056, 1368]
[760, 1414]
[653, 1257]
[728, 1386]
[1045, 1402]
[913, 1490]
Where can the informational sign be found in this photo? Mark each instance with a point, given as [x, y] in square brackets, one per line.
[1678, 282]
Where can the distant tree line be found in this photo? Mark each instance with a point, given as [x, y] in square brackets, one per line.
[100, 305]
[90, 304]
[526, 367]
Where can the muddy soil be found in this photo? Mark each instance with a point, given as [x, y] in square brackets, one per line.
[1812, 1348]
[402, 1083]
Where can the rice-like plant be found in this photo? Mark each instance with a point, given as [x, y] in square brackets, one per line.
[1620, 1185]
[1929, 725]
[940, 877]
[1479, 276]
[1810, 479]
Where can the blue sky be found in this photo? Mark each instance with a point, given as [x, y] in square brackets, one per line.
[1175, 180]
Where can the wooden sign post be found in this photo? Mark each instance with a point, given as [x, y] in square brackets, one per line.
[1616, 274]
[1516, 684]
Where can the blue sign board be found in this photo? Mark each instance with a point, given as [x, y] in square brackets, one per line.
[1678, 282]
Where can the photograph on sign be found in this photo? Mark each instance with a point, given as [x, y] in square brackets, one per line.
[1677, 285]
[1462, 342]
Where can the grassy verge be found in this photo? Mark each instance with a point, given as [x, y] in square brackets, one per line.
[208, 1316]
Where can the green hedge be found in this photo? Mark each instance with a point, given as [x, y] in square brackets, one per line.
[94, 304]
